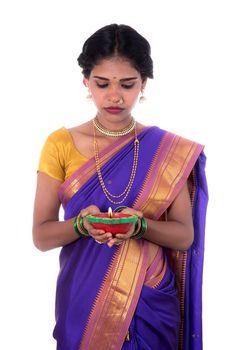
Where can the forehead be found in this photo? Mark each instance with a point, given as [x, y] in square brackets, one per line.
[114, 68]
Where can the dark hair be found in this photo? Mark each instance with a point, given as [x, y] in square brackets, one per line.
[117, 40]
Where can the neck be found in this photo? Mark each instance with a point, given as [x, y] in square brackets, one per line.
[116, 132]
[114, 123]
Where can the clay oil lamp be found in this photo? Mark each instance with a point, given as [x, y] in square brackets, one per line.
[112, 222]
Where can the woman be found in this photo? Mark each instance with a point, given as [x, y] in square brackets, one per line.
[142, 289]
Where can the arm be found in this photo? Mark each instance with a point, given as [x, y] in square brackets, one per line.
[176, 233]
[48, 231]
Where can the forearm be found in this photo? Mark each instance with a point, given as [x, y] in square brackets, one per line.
[54, 234]
[170, 234]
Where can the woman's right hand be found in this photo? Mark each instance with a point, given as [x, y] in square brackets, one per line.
[100, 236]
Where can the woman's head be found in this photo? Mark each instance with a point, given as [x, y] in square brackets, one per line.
[117, 41]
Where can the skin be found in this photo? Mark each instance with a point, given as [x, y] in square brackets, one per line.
[110, 81]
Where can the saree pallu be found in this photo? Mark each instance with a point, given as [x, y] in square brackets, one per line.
[127, 297]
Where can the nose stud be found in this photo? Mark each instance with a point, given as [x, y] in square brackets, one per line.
[118, 101]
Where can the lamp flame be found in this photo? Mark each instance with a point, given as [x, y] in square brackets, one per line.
[110, 212]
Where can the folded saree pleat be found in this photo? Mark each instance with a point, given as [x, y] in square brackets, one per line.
[125, 297]
[155, 326]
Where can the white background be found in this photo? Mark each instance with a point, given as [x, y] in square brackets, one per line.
[41, 90]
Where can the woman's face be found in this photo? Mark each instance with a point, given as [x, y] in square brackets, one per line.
[115, 86]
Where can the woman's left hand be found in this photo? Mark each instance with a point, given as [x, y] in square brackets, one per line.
[122, 237]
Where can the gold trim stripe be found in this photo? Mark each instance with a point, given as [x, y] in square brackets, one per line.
[170, 172]
[157, 269]
[110, 317]
[171, 166]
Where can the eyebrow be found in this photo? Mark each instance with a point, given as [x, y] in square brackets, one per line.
[124, 79]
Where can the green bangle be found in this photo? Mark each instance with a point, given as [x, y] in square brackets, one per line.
[85, 232]
[79, 227]
[142, 230]
[76, 228]
[119, 209]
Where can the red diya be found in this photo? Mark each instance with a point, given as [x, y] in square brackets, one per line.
[112, 222]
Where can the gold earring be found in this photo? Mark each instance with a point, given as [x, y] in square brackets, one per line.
[89, 96]
[142, 98]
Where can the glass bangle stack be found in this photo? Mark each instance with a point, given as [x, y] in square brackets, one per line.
[79, 227]
[140, 228]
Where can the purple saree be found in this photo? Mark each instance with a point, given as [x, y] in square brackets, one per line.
[127, 297]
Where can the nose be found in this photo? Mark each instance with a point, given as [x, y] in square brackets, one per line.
[115, 97]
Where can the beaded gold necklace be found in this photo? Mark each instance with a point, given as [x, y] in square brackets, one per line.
[127, 189]
[112, 133]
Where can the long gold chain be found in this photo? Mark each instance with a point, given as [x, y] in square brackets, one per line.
[113, 133]
[132, 176]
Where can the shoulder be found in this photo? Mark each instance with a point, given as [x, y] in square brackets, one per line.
[173, 137]
[60, 140]
[60, 135]
[82, 130]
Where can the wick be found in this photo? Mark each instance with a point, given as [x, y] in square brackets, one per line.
[109, 212]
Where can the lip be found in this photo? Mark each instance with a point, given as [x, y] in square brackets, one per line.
[114, 110]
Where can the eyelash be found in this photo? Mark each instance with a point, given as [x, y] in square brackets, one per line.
[103, 86]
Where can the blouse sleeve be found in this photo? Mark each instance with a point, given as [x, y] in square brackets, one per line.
[51, 161]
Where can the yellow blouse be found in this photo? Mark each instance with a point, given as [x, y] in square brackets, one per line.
[59, 156]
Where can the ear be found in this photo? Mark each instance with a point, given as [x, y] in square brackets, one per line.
[143, 85]
[85, 82]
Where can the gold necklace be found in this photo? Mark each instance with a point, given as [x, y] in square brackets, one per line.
[125, 193]
[112, 133]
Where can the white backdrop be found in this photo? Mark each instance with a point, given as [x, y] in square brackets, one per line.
[41, 90]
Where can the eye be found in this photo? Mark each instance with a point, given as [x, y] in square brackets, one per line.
[127, 86]
[102, 86]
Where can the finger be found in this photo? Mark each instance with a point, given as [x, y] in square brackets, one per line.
[102, 237]
[128, 211]
[127, 235]
[115, 241]
[100, 233]
[90, 228]
[122, 237]
[111, 243]
[92, 209]
[87, 225]
[92, 231]
[99, 242]
[131, 211]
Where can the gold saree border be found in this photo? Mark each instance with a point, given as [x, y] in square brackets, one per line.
[169, 170]
[115, 304]
[157, 269]
[171, 166]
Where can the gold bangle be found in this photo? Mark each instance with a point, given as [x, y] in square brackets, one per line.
[137, 228]
[143, 228]
[76, 228]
